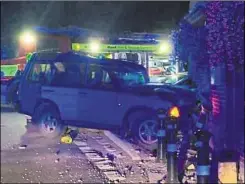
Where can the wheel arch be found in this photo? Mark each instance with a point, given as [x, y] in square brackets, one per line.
[49, 102]
[134, 110]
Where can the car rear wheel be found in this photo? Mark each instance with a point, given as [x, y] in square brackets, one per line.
[48, 121]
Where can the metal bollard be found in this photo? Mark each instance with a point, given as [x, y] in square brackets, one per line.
[203, 150]
[161, 137]
[172, 176]
[200, 119]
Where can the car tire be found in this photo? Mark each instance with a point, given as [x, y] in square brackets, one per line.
[141, 120]
[48, 121]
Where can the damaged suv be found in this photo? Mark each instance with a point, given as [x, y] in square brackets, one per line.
[60, 89]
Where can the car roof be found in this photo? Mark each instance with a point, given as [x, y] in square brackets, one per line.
[53, 56]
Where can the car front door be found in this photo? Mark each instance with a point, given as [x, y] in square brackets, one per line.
[101, 98]
[30, 86]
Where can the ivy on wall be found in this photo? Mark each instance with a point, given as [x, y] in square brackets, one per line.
[221, 39]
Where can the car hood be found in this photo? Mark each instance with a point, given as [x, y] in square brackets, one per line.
[176, 94]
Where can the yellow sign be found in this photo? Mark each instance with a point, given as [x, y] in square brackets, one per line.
[116, 48]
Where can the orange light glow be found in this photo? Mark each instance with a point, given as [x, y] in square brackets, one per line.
[174, 112]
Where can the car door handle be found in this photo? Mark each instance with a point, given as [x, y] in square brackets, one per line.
[48, 90]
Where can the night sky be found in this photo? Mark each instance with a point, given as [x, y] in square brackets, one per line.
[104, 16]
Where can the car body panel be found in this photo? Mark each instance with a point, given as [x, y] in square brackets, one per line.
[129, 101]
[101, 106]
[66, 99]
[30, 94]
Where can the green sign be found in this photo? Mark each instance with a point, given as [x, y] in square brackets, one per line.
[9, 70]
[115, 48]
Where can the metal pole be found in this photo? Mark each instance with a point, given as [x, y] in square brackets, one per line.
[147, 61]
[172, 176]
[161, 136]
[203, 163]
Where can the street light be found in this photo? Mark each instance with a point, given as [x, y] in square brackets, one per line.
[94, 47]
[27, 43]
[27, 38]
[165, 48]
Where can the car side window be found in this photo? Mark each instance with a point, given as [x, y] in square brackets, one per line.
[39, 73]
[68, 74]
[97, 77]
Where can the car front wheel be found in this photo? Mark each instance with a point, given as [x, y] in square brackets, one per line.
[147, 131]
[48, 121]
[144, 130]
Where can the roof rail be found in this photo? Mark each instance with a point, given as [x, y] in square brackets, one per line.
[47, 50]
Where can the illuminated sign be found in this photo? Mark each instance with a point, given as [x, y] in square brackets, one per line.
[9, 70]
[116, 48]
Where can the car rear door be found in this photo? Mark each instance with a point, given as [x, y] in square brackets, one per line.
[100, 98]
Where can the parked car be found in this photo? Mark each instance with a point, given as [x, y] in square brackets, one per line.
[169, 70]
[60, 89]
[170, 79]
[155, 71]
[10, 89]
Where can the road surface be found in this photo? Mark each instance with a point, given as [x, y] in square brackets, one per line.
[42, 161]
[47, 161]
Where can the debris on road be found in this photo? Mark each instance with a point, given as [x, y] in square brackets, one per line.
[69, 136]
[80, 180]
[119, 165]
[24, 146]
[57, 152]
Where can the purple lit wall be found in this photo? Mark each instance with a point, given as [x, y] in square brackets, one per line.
[215, 51]
[225, 48]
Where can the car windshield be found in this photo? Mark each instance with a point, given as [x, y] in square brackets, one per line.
[130, 77]
[173, 79]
